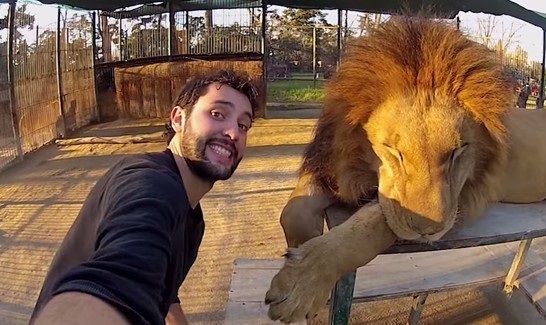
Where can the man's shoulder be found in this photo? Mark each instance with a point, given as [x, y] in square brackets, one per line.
[148, 170]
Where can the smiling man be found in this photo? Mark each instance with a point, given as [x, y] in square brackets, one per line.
[139, 230]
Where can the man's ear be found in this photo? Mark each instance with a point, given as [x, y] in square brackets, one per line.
[178, 118]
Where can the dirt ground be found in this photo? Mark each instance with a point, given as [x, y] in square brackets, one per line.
[40, 197]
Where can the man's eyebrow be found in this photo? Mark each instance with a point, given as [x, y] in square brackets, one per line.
[224, 102]
[230, 104]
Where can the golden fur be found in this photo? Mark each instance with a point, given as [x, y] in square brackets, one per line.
[420, 117]
[427, 65]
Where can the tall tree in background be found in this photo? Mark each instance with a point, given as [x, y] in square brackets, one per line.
[291, 38]
[506, 36]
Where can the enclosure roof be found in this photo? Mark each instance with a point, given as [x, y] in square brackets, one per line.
[447, 7]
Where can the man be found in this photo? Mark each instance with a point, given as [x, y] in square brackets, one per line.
[139, 230]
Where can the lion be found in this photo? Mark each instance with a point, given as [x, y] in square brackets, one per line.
[421, 119]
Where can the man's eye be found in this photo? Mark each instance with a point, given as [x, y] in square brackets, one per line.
[217, 114]
[244, 127]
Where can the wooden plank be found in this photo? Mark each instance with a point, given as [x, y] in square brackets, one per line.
[396, 275]
[249, 313]
[502, 223]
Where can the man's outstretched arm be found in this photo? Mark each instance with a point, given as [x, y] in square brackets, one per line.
[79, 308]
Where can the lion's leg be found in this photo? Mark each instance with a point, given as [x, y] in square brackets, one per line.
[302, 286]
[303, 215]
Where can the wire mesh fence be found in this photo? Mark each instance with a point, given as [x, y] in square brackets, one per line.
[219, 31]
[53, 77]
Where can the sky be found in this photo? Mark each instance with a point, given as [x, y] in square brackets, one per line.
[529, 37]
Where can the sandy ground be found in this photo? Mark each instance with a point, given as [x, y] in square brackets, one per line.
[40, 197]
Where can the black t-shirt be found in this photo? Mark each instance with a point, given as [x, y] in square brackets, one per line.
[133, 242]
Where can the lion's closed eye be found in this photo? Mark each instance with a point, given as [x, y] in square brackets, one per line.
[394, 152]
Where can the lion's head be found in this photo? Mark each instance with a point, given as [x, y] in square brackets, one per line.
[430, 104]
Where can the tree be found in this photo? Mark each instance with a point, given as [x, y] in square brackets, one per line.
[489, 27]
[291, 38]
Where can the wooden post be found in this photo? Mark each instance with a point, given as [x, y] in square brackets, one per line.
[95, 57]
[172, 31]
[541, 92]
[11, 80]
[61, 131]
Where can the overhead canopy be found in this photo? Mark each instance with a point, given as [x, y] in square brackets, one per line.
[445, 7]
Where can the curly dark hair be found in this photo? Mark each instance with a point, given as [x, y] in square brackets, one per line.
[197, 87]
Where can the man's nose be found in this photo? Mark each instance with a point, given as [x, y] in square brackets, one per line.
[232, 132]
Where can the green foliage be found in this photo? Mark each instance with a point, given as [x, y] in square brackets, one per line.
[290, 38]
[294, 91]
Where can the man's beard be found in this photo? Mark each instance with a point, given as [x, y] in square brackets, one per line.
[193, 151]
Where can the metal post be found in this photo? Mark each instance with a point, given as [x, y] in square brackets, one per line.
[341, 300]
[314, 57]
[541, 93]
[172, 31]
[187, 32]
[417, 308]
[265, 55]
[120, 32]
[95, 57]
[517, 263]
[62, 128]
[339, 22]
[11, 80]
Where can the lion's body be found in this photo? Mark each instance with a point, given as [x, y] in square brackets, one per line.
[422, 119]
[522, 178]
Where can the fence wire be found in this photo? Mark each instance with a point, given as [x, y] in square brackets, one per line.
[38, 94]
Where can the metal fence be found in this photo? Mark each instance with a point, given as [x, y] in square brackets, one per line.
[53, 78]
[219, 31]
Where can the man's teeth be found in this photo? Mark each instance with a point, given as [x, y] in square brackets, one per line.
[220, 150]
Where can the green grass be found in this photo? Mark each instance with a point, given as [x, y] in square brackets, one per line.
[299, 91]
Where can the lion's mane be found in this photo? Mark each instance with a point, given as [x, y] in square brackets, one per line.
[422, 58]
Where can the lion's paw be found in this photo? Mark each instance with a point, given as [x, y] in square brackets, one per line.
[302, 286]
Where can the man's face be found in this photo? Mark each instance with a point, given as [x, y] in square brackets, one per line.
[214, 134]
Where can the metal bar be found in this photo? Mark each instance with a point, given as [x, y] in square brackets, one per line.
[187, 32]
[314, 57]
[339, 22]
[265, 54]
[417, 308]
[61, 131]
[94, 49]
[11, 80]
[341, 300]
[541, 93]
[517, 263]
[172, 31]
[120, 32]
